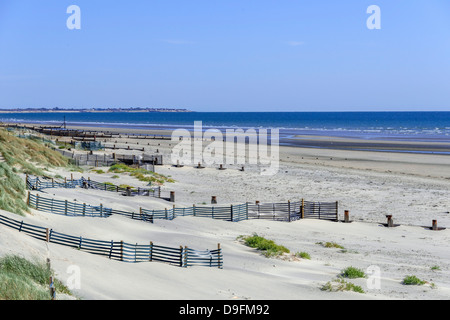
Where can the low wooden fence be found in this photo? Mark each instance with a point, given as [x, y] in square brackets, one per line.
[39, 184]
[122, 251]
[105, 160]
[74, 209]
[288, 212]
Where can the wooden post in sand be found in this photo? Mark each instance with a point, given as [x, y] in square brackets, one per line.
[289, 210]
[218, 255]
[121, 250]
[303, 208]
[52, 288]
[337, 211]
[213, 200]
[390, 222]
[172, 196]
[346, 216]
[434, 225]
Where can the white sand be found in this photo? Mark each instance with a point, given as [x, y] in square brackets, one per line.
[408, 189]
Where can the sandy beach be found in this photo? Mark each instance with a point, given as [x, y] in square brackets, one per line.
[412, 187]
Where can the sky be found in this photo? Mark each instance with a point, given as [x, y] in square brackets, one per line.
[226, 55]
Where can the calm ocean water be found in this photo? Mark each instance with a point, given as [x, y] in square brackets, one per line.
[414, 126]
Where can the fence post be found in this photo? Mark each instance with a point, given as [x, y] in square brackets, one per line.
[246, 210]
[303, 208]
[28, 199]
[37, 201]
[289, 210]
[346, 216]
[65, 207]
[434, 225]
[172, 196]
[101, 210]
[84, 209]
[273, 211]
[219, 251]
[52, 289]
[231, 212]
[185, 256]
[150, 253]
[181, 256]
[121, 250]
[47, 235]
[337, 210]
[111, 249]
[193, 207]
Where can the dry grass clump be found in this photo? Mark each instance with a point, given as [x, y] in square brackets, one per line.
[26, 154]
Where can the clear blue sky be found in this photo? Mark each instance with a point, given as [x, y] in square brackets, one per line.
[227, 55]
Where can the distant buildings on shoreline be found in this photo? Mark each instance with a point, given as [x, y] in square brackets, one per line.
[30, 110]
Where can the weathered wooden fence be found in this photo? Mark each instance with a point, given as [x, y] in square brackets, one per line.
[70, 208]
[106, 160]
[122, 251]
[39, 184]
[288, 212]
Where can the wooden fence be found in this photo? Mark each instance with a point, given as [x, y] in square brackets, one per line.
[39, 184]
[74, 209]
[122, 251]
[105, 160]
[288, 212]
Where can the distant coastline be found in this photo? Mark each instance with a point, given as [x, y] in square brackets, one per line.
[91, 110]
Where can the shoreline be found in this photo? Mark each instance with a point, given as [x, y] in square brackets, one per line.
[321, 142]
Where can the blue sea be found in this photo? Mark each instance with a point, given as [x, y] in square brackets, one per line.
[403, 126]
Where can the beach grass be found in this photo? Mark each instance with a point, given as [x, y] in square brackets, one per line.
[341, 284]
[21, 279]
[303, 255]
[140, 174]
[413, 280]
[29, 155]
[23, 155]
[268, 247]
[330, 245]
[353, 273]
[12, 191]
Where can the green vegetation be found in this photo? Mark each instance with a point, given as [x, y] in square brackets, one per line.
[330, 245]
[268, 247]
[413, 280]
[99, 171]
[27, 154]
[115, 176]
[435, 268]
[12, 191]
[23, 155]
[341, 285]
[303, 255]
[140, 174]
[353, 273]
[21, 279]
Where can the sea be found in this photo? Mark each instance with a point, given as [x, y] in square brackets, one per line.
[387, 126]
